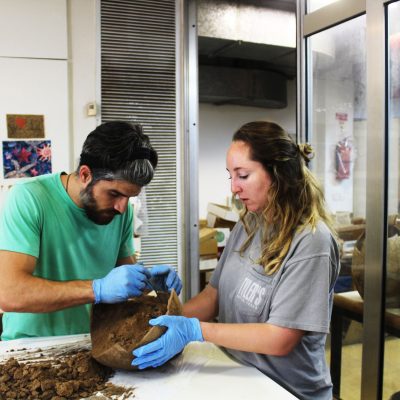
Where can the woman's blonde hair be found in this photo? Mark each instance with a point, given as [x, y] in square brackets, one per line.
[295, 199]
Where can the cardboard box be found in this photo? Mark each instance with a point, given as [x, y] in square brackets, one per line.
[223, 212]
[215, 222]
[209, 246]
[206, 233]
[202, 223]
[207, 263]
[208, 241]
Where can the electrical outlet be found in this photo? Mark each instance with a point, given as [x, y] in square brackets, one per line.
[91, 109]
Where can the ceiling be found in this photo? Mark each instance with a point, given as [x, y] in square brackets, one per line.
[245, 57]
[248, 34]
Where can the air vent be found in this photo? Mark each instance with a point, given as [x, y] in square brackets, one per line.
[246, 87]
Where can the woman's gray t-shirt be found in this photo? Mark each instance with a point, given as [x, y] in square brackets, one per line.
[299, 296]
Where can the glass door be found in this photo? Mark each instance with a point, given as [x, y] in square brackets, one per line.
[349, 74]
[337, 131]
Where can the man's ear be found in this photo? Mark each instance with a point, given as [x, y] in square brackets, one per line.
[85, 174]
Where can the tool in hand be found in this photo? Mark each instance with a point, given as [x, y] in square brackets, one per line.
[153, 291]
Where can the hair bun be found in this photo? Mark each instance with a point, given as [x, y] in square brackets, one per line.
[306, 151]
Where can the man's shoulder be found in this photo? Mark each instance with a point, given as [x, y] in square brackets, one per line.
[33, 190]
[36, 183]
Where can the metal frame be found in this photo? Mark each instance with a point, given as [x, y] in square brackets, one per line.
[301, 74]
[375, 241]
[180, 35]
[332, 14]
[191, 151]
[376, 206]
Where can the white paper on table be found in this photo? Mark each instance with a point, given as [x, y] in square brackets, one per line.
[202, 371]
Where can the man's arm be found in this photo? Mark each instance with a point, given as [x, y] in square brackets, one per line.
[127, 260]
[20, 291]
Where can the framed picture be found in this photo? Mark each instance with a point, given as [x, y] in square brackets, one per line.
[21, 126]
[26, 158]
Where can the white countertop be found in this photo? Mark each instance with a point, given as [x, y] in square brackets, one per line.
[202, 371]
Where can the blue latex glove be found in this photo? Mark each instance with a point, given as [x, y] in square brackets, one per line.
[165, 278]
[120, 284]
[181, 331]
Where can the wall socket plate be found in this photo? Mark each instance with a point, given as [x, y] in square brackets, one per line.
[91, 109]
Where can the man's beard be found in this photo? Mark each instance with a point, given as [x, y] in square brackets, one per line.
[99, 217]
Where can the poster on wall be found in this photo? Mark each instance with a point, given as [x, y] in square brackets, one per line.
[26, 158]
[20, 126]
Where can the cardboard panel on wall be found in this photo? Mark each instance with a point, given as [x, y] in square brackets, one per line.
[25, 126]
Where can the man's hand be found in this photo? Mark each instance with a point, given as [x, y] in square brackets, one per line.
[181, 331]
[165, 278]
[120, 284]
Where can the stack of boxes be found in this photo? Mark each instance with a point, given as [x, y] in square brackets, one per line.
[213, 235]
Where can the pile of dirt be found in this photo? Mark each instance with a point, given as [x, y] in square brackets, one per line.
[117, 329]
[72, 376]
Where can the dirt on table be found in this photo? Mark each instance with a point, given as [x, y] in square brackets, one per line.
[118, 329]
[73, 376]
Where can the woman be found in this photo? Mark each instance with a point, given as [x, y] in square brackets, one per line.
[273, 287]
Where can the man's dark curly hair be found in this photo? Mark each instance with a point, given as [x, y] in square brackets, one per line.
[119, 150]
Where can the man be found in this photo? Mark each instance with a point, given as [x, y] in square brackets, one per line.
[62, 235]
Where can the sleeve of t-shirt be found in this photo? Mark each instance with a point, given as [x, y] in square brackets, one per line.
[302, 297]
[127, 247]
[20, 222]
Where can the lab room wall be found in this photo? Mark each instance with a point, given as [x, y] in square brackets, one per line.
[217, 123]
[48, 67]
[58, 76]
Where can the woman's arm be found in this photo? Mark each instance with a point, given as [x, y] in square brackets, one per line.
[260, 338]
[204, 306]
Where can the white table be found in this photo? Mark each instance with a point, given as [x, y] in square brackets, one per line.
[202, 371]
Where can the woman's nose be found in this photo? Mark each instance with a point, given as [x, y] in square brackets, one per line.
[235, 188]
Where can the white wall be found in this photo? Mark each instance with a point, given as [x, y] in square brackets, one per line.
[84, 71]
[68, 29]
[33, 28]
[34, 71]
[48, 67]
[37, 86]
[216, 127]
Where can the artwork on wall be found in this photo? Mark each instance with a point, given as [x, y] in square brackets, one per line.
[20, 126]
[27, 158]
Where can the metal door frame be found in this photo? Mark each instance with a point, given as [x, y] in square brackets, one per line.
[376, 202]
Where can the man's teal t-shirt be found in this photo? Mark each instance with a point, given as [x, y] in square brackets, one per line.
[40, 219]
